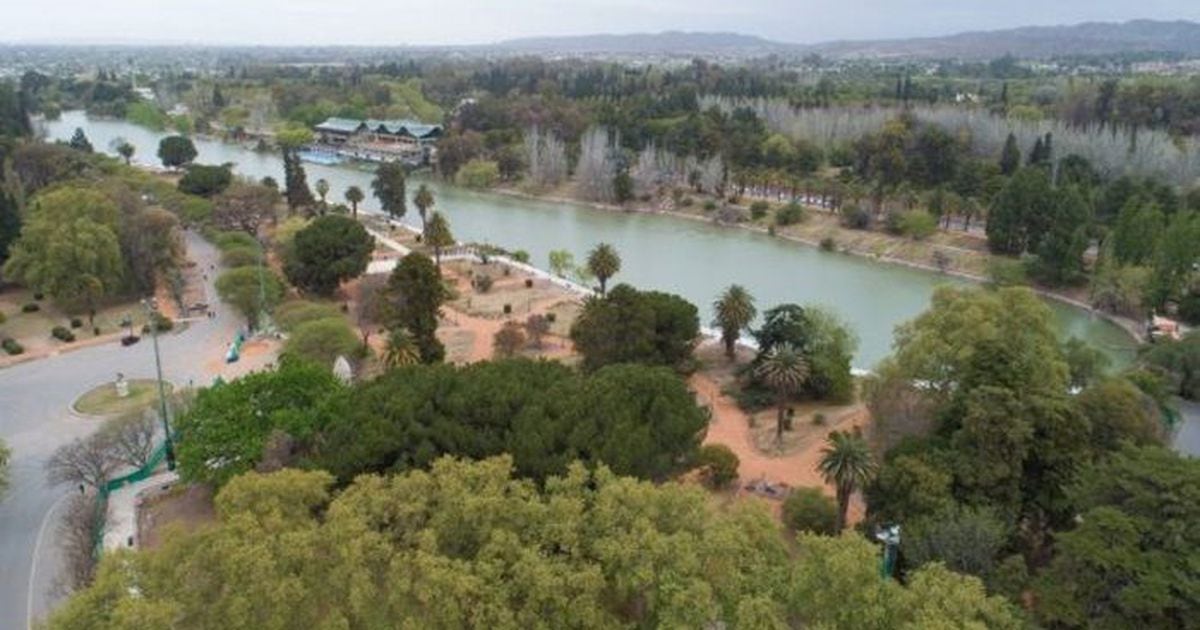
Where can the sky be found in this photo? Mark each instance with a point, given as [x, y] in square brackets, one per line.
[406, 22]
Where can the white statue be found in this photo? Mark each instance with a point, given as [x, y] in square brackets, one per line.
[122, 386]
[342, 370]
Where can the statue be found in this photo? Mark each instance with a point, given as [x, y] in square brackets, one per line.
[342, 370]
[122, 386]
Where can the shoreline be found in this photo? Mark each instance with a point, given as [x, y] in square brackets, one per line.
[1130, 327]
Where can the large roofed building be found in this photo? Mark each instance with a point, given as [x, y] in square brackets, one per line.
[380, 140]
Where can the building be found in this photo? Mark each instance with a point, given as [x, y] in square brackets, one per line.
[378, 140]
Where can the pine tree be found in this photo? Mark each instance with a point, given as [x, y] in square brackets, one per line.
[1010, 158]
[295, 182]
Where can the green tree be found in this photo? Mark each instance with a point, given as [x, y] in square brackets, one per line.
[423, 200]
[809, 510]
[176, 151]
[389, 188]
[1060, 253]
[331, 250]
[784, 370]
[1175, 260]
[79, 141]
[438, 236]
[847, 464]
[631, 326]
[322, 188]
[964, 539]
[1010, 157]
[415, 295]
[1127, 561]
[227, 425]
[1018, 215]
[824, 341]
[1117, 411]
[126, 149]
[1138, 232]
[251, 290]
[205, 181]
[478, 174]
[734, 311]
[354, 196]
[323, 341]
[295, 182]
[5, 457]
[604, 263]
[561, 262]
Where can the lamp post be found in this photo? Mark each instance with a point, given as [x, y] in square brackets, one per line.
[152, 311]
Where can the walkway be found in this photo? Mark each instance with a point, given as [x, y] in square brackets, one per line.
[120, 528]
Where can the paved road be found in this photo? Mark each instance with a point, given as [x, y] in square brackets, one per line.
[34, 398]
[1187, 440]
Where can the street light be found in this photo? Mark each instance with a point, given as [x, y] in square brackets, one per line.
[152, 311]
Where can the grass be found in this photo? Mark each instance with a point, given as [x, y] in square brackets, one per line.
[102, 400]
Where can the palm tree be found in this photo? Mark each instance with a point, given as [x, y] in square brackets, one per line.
[604, 263]
[734, 312]
[847, 463]
[784, 370]
[423, 200]
[354, 195]
[322, 187]
[401, 349]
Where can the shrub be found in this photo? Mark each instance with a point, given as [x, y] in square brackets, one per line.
[162, 323]
[478, 174]
[759, 209]
[917, 224]
[551, 317]
[30, 308]
[828, 244]
[229, 240]
[508, 309]
[96, 330]
[239, 256]
[809, 510]
[770, 230]
[61, 333]
[205, 181]
[324, 340]
[528, 283]
[719, 464]
[39, 296]
[76, 322]
[686, 202]
[818, 419]
[293, 314]
[1003, 272]
[790, 215]
[856, 217]
[709, 205]
[482, 283]
[12, 347]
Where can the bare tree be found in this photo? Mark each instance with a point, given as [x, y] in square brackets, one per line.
[77, 535]
[245, 207]
[547, 158]
[130, 438]
[597, 167]
[537, 326]
[86, 461]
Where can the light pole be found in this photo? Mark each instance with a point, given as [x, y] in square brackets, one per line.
[152, 311]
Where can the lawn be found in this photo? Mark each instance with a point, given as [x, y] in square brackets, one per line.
[32, 330]
[102, 400]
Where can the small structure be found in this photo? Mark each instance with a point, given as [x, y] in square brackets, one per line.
[1164, 328]
[342, 370]
[122, 386]
[378, 140]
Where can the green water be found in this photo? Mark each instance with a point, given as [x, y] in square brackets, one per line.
[696, 260]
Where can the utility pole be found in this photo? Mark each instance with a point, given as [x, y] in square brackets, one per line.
[152, 311]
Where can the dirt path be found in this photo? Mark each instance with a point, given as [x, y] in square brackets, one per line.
[730, 426]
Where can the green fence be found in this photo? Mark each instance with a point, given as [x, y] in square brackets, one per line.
[156, 458]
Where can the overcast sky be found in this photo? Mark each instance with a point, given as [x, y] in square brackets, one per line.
[394, 22]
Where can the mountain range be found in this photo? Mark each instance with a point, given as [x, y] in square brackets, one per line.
[1029, 42]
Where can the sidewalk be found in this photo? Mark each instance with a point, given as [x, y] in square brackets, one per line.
[120, 525]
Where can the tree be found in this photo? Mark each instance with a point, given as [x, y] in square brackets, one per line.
[125, 149]
[438, 236]
[176, 151]
[245, 207]
[228, 424]
[561, 262]
[130, 437]
[5, 457]
[1126, 563]
[809, 510]
[401, 349]
[718, 465]
[964, 539]
[645, 555]
[354, 196]
[784, 370]
[508, 341]
[478, 174]
[331, 250]
[1018, 217]
[423, 200]
[85, 461]
[206, 181]
[295, 182]
[251, 290]
[1117, 411]
[388, 187]
[537, 326]
[1060, 253]
[847, 464]
[734, 311]
[631, 326]
[322, 187]
[69, 248]
[1138, 231]
[1175, 260]
[1010, 157]
[415, 296]
[824, 341]
[604, 263]
[322, 341]
[79, 141]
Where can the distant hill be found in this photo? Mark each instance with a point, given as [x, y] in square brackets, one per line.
[1090, 38]
[668, 42]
